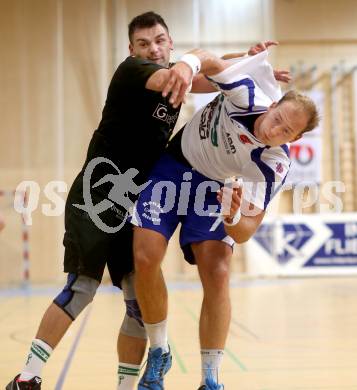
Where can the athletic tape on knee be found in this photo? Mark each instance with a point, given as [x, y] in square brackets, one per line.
[77, 294]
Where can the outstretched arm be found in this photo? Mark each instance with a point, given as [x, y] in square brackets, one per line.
[200, 84]
[178, 78]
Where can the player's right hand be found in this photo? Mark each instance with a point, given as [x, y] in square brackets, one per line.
[178, 83]
[230, 197]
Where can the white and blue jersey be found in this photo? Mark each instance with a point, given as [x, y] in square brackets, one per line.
[218, 143]
[214, 146]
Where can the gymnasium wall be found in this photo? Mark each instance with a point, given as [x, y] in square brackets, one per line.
[57, 58]
[55, 67]
[318, 41]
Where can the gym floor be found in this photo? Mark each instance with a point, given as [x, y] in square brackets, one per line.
[286, 334]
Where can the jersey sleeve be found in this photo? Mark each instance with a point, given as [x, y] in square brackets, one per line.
[249, 83]
[134, 72]
[265, 174]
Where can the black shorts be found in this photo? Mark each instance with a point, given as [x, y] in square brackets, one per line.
[87, 248]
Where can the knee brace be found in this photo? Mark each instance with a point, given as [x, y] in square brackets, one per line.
[77, 294]
[132, 324]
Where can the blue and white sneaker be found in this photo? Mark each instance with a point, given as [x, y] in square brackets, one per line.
[211, 385]
[157, 365]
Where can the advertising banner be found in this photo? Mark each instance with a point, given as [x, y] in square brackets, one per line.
[323, 244]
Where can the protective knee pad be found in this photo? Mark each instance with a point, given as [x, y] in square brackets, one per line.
[132, 324]
[127, 285]
[77, 294]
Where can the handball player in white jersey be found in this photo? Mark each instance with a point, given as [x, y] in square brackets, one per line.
[243, 133]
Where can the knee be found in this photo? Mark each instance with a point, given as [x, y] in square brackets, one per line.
[77, 294]
[216, 277]
[144, 263]
[133, 324]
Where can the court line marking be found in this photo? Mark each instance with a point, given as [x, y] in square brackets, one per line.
[245, 329]
[230, 354]
[177, 357]
[67, 363]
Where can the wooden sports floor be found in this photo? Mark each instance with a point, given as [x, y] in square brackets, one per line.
[286, 334]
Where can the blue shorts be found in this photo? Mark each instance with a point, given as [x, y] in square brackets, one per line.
[179, 194]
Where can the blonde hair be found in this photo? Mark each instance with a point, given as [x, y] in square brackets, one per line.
[306, 104]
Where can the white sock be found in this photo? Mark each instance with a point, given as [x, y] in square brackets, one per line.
[38, 356]
[157, 334]
[211, 360]
[127, 375]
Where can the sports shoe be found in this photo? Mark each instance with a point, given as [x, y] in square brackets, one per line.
[211, 385]
[157, 365]
[33, 384]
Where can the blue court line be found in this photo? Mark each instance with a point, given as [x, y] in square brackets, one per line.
[230, 354]
[67, 363]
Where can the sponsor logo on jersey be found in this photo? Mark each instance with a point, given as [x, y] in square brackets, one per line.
[244, 139]
[206, 118]
[229, 144]
[161, 112]
[279, 167]
[206, 128]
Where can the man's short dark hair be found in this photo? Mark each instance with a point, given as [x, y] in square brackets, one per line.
[145, 20]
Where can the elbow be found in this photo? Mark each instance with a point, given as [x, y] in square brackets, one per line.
[215, 66]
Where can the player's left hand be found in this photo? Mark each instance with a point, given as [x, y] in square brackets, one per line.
[179, 81]
[282, 75]
[230, 199]
[261, 46]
